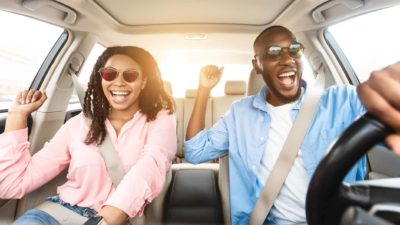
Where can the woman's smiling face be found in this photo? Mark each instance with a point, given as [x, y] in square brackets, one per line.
[121, 93]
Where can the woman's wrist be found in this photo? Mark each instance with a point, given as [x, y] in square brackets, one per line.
[15, 121]
[16, 115]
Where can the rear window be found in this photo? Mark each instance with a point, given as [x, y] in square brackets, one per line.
[186, 76]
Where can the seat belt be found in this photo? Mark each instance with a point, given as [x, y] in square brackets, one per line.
[289, 152]
[109, 154]
[77, 86]
[112, 161]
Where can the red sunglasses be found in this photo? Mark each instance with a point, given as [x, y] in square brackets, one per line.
[110, 73]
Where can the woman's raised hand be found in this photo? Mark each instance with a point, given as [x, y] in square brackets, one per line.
[27, 102]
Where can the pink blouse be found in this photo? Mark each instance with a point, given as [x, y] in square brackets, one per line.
[146, 150]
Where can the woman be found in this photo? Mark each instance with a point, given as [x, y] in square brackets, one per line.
[125, 100]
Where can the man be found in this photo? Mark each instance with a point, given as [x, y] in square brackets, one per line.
[255, 128]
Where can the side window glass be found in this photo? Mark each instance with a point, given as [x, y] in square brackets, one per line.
[89, 63]
[369, 42]
[25, 43]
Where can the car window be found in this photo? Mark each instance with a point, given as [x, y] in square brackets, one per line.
[370, 41]
[24, 45]
[89, 63]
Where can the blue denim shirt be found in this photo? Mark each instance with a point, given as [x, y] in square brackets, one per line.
[243, 131]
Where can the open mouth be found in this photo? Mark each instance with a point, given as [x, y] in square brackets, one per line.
[287, 79]
[119, 96]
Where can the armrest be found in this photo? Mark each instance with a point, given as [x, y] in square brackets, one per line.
[193, 198]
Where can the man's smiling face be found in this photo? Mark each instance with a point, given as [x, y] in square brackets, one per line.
[281, 74]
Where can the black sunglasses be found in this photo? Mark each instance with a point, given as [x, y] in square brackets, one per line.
[275, 52]
[110, 73]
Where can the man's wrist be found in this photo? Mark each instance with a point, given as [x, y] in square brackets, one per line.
[204, 91]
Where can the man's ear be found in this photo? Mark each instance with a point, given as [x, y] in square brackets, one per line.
[256, 66]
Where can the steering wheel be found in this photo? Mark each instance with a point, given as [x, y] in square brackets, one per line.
[327, 199]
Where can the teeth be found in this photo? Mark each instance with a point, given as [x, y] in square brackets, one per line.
[123, 93]
[287, 74]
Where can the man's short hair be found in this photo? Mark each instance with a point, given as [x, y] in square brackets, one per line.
[269, 29]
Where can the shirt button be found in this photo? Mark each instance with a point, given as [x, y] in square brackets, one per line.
[254, 167]
[101, 202]
[261, 138]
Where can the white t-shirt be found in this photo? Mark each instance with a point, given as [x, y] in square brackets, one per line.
[289, 206]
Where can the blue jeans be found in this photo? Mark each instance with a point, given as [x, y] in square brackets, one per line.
[36, 217]
[39, 217]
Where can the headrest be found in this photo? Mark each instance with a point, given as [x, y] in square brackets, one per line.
[235, 87]
[255, 83]
[191, 93]
[168, 87]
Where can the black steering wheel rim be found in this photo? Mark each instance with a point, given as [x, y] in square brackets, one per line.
[322, 201]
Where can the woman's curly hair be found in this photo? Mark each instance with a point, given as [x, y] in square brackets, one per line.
[152, 98]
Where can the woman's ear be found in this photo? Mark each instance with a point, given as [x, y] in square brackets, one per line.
[257, 66]
[143, 83]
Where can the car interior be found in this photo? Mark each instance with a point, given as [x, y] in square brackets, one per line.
[183, 36]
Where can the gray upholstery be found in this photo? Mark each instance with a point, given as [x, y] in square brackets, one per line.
[191, 93]
[234, 90]
[188, 105]
[168, 87]
[255, 83]
[223, 184]
[235, 87]
[179, 118]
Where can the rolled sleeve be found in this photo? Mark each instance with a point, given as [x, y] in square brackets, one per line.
[145, 180]
[195, 148]
[208, 144]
